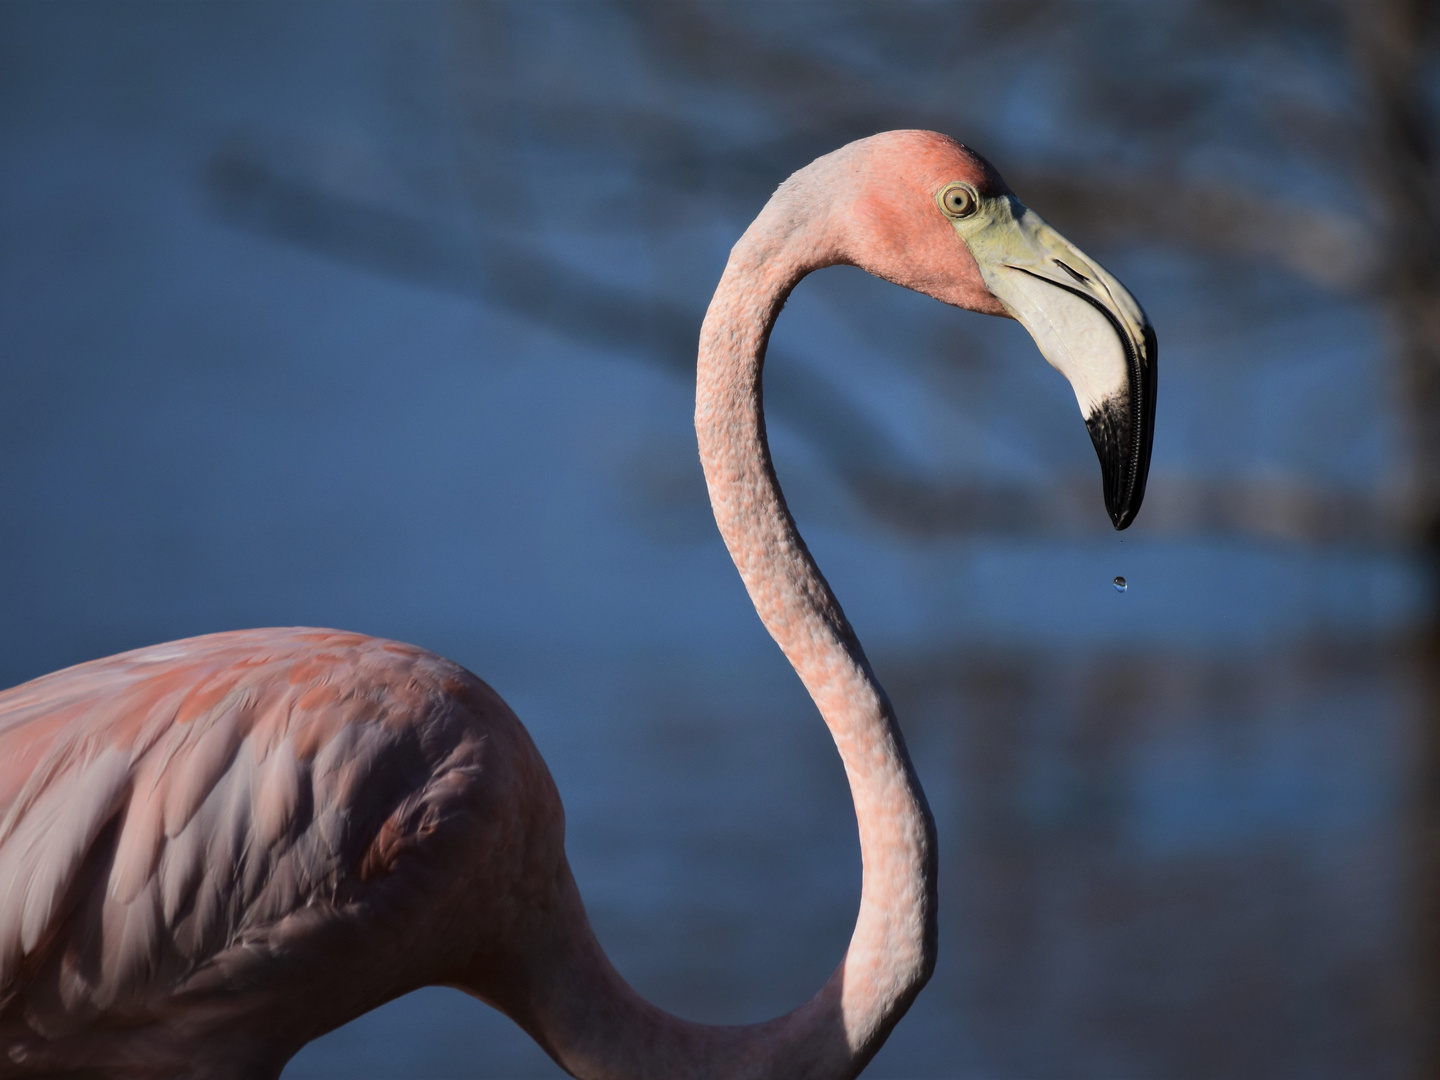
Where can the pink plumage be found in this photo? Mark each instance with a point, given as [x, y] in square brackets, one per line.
[215, 850]
[172, 816]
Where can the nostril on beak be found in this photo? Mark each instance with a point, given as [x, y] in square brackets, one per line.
[1072, 272]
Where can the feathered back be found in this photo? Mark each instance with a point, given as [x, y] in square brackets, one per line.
[165, 808]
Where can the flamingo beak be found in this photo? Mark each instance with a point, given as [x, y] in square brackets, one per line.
[1090, 329]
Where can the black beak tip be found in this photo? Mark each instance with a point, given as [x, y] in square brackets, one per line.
[1122, 427]
[1124, 465]
[1121, 516]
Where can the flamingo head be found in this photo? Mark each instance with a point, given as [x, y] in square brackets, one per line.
[934, 216]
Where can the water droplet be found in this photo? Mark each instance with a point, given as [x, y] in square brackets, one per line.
[1120, 584]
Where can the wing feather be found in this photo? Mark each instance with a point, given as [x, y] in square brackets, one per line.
[277, 807]
[45, 851]
[212, 748]
[181, 868]
[139, 847]
[160, 807]
[132, 949]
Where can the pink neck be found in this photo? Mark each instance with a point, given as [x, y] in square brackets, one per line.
[592, 1022]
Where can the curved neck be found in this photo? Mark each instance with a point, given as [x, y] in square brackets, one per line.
[595, 1025]
[892, 950]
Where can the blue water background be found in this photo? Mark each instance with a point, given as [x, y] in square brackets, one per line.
[1172, 822]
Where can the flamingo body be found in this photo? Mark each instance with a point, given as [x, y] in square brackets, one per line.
[240, 817]
[214, 850]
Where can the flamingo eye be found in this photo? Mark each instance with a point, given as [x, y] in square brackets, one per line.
[958, 200]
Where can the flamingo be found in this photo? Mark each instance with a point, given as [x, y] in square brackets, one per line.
[215, 850]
